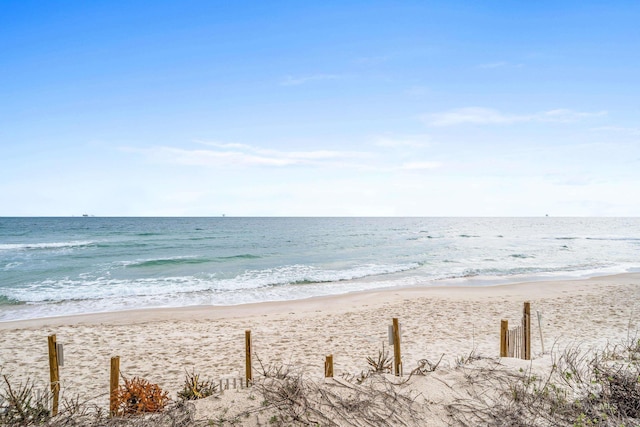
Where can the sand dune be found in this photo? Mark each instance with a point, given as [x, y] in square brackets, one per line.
[160, 345]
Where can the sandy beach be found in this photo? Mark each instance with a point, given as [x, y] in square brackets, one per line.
[160, 344]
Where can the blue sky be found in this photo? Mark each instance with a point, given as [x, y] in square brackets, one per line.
[252, 108]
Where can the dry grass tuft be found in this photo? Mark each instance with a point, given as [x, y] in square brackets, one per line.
[298, 400]
[195, 388]
[582, 389]
[19, 405]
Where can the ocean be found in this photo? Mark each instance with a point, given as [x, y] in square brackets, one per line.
[62, 266]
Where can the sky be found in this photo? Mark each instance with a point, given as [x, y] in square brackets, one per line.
[319, 108]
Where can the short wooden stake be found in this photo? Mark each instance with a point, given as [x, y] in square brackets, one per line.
[247, 345]
[328, 366]
[54, 373]
[504, 331]
[397, 358]
[526, 320]
[113, 385]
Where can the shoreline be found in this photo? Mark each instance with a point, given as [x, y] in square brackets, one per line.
[214, 312]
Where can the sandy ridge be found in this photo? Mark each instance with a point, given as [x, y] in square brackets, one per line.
[160, 344]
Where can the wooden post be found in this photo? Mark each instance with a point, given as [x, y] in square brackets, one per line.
[504, 330]
[113, 385]
[328, 366]
[526, 320]
[397, 359]
[247, 345]
[54, 373]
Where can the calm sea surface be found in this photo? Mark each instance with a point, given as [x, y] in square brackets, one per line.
[60, 266]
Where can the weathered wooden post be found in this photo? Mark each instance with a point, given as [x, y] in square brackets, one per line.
[54, 373]
[526, 320]
[328, 366]
[247, 345]
[113, 385]
[397, 359]
[504, 331]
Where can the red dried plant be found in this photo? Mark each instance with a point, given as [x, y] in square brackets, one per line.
[138, 395]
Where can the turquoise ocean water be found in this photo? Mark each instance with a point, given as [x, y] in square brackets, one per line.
[61, 266]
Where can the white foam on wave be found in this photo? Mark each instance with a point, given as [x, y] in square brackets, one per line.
[189, 291]
[143, 261]
[305, 275]
[11, 265]
[49, 245]
[105, 287]
[56, 291]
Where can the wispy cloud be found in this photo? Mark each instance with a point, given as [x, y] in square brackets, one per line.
[296, 81]
[233, 155]
[488, 116]
[413, 166]
[617, 129]
[468, 115]
[410, 141]
[565, 116]
[226, 145]
[245, 155]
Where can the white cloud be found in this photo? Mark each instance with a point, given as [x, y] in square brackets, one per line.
[617, 129]
[296, 81]
[486, 116]
[212, 157]
[565, 116]
[246, 155]
[410, 141]
[225, 145]
[412, 166]
[468, 115]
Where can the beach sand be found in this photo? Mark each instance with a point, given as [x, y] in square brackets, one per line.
[160, 344]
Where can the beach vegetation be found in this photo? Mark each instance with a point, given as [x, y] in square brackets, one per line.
[195, 388]
[137, 396]
[577, 388]
[294, 399]
[21, 405]
[468, 358]
[382, 363]
[583, 388]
